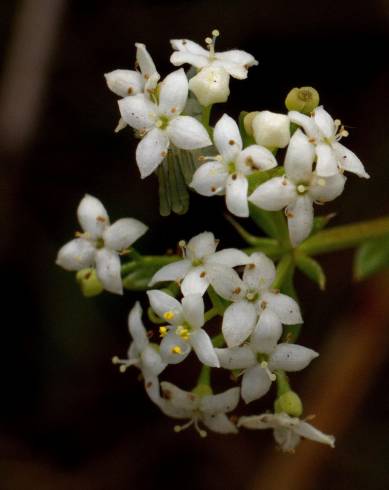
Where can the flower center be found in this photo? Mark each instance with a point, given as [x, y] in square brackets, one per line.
[231, 167]
[99, 243]
[252, 295]
[197, 262]
[301, 189]
[162, 122]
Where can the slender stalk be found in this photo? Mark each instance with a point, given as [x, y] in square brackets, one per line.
[282, 383]
[211, 314]
[284, 269]
[205, 376]
[205, 116]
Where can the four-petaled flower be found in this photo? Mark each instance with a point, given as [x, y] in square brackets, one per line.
[226, 173]
[100, 243]
[142, 354]
[199, 257]
[298, 189]
[184, 330]
[198, 407]
[252, 298]
[160, 123]
[324, 134]
[287, 430]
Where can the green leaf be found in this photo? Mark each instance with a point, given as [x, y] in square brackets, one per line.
[371, 257]
[320, 222]
[218, 302]
[312, 269]
[257, 178]
[163, 190]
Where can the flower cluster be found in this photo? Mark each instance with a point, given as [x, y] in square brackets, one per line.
[234, 310]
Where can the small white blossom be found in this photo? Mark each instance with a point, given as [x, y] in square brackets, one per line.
[262, 356]
[100, 243]
[271, 130]
[199, 257]
[226, 173]
[324, 134]
[161, 124]
[235, 62]
[210, 85]
[142, 354]
[184, 330]
[287, 430]
[209, 409]
[298, 189]
[251, 298]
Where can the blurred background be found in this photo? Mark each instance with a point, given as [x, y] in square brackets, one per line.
[68, 419]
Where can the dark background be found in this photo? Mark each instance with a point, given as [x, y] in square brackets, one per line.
[68, 419]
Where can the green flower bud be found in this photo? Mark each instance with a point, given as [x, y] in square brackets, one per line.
[89, 284]
[304, 99]
[289, 403]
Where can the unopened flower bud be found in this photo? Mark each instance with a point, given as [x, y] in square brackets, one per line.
[89, 283]
[271, 130]
[304, 99]
[248, 122]
[210, 85]
[289, 403]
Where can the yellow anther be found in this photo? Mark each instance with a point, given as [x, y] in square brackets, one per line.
[215, 33]
[168, 315]
[163, 331]
[208, 40]
[301, 188]
[176, 349]
[159, 123]
[183, 332]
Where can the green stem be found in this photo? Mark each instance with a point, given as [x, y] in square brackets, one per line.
[347, 236]
[282, 383]
[284, 269]
[211, 314]
[218, 340]
[205, 116]
[205, 376]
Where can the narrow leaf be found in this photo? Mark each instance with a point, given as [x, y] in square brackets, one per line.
[371, 257]
[312, 269]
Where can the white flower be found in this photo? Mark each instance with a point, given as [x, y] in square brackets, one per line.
[324, 134]
[235, 62]
[209, 409]
[142, 354]
[226, 173]
[262, 356]
[100, 243]
[199, 257]
[161, 123]
[287, 430]
[210, 85]
[271, 130]
[298, 189]
[184, 331]
[251, 298]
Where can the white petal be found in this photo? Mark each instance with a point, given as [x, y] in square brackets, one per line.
[237, 56]
[201, 245]
[291, 357]
[223, 402]
[255, 158]
[299, 158]
[324, 189]
[152, 362]
[123, 233]
[76, 255]
[327, 163]
[188, 133]
[255, 383]
[236, 195]
[324, 122]
[274, 194]
[138, 111]
[219, 423]
[238, 322]
[202, 345]
[285, 307]
[267, 332]
[145, 61]
[264, 421]
[309, 432]
[108, 270]
[168, 349]
[236, 357]
[300, 219]
[124, 82]
[151, 150]
[152, 388]
[234, 69]
[210, 178]
[349, 161]
[227, 138]
[230, 257]
[163, 303]
[92, 216]
[195, 282]
[173, 93]
[306, 122]
[226, 282]
[178, 58]
[136, 327]
[188, 46]
[179, 398]
[171, 272]
[193, 308]
[260, 272]
[286, 438]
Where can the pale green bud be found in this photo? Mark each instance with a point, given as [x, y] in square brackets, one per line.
[271, 130]
[289, 403]
[304, 99]
[89, 283]
[210, 85]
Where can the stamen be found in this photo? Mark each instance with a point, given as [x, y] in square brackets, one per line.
[201, 432]
[183, 332]
[163, 331]
[168, 315]
[182, 245]
[210, 42]
[180, 428]
[176, 349]
[301, 189]
[264, 365]
[124, 364]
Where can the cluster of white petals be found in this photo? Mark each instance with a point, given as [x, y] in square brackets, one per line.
[100, 244]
